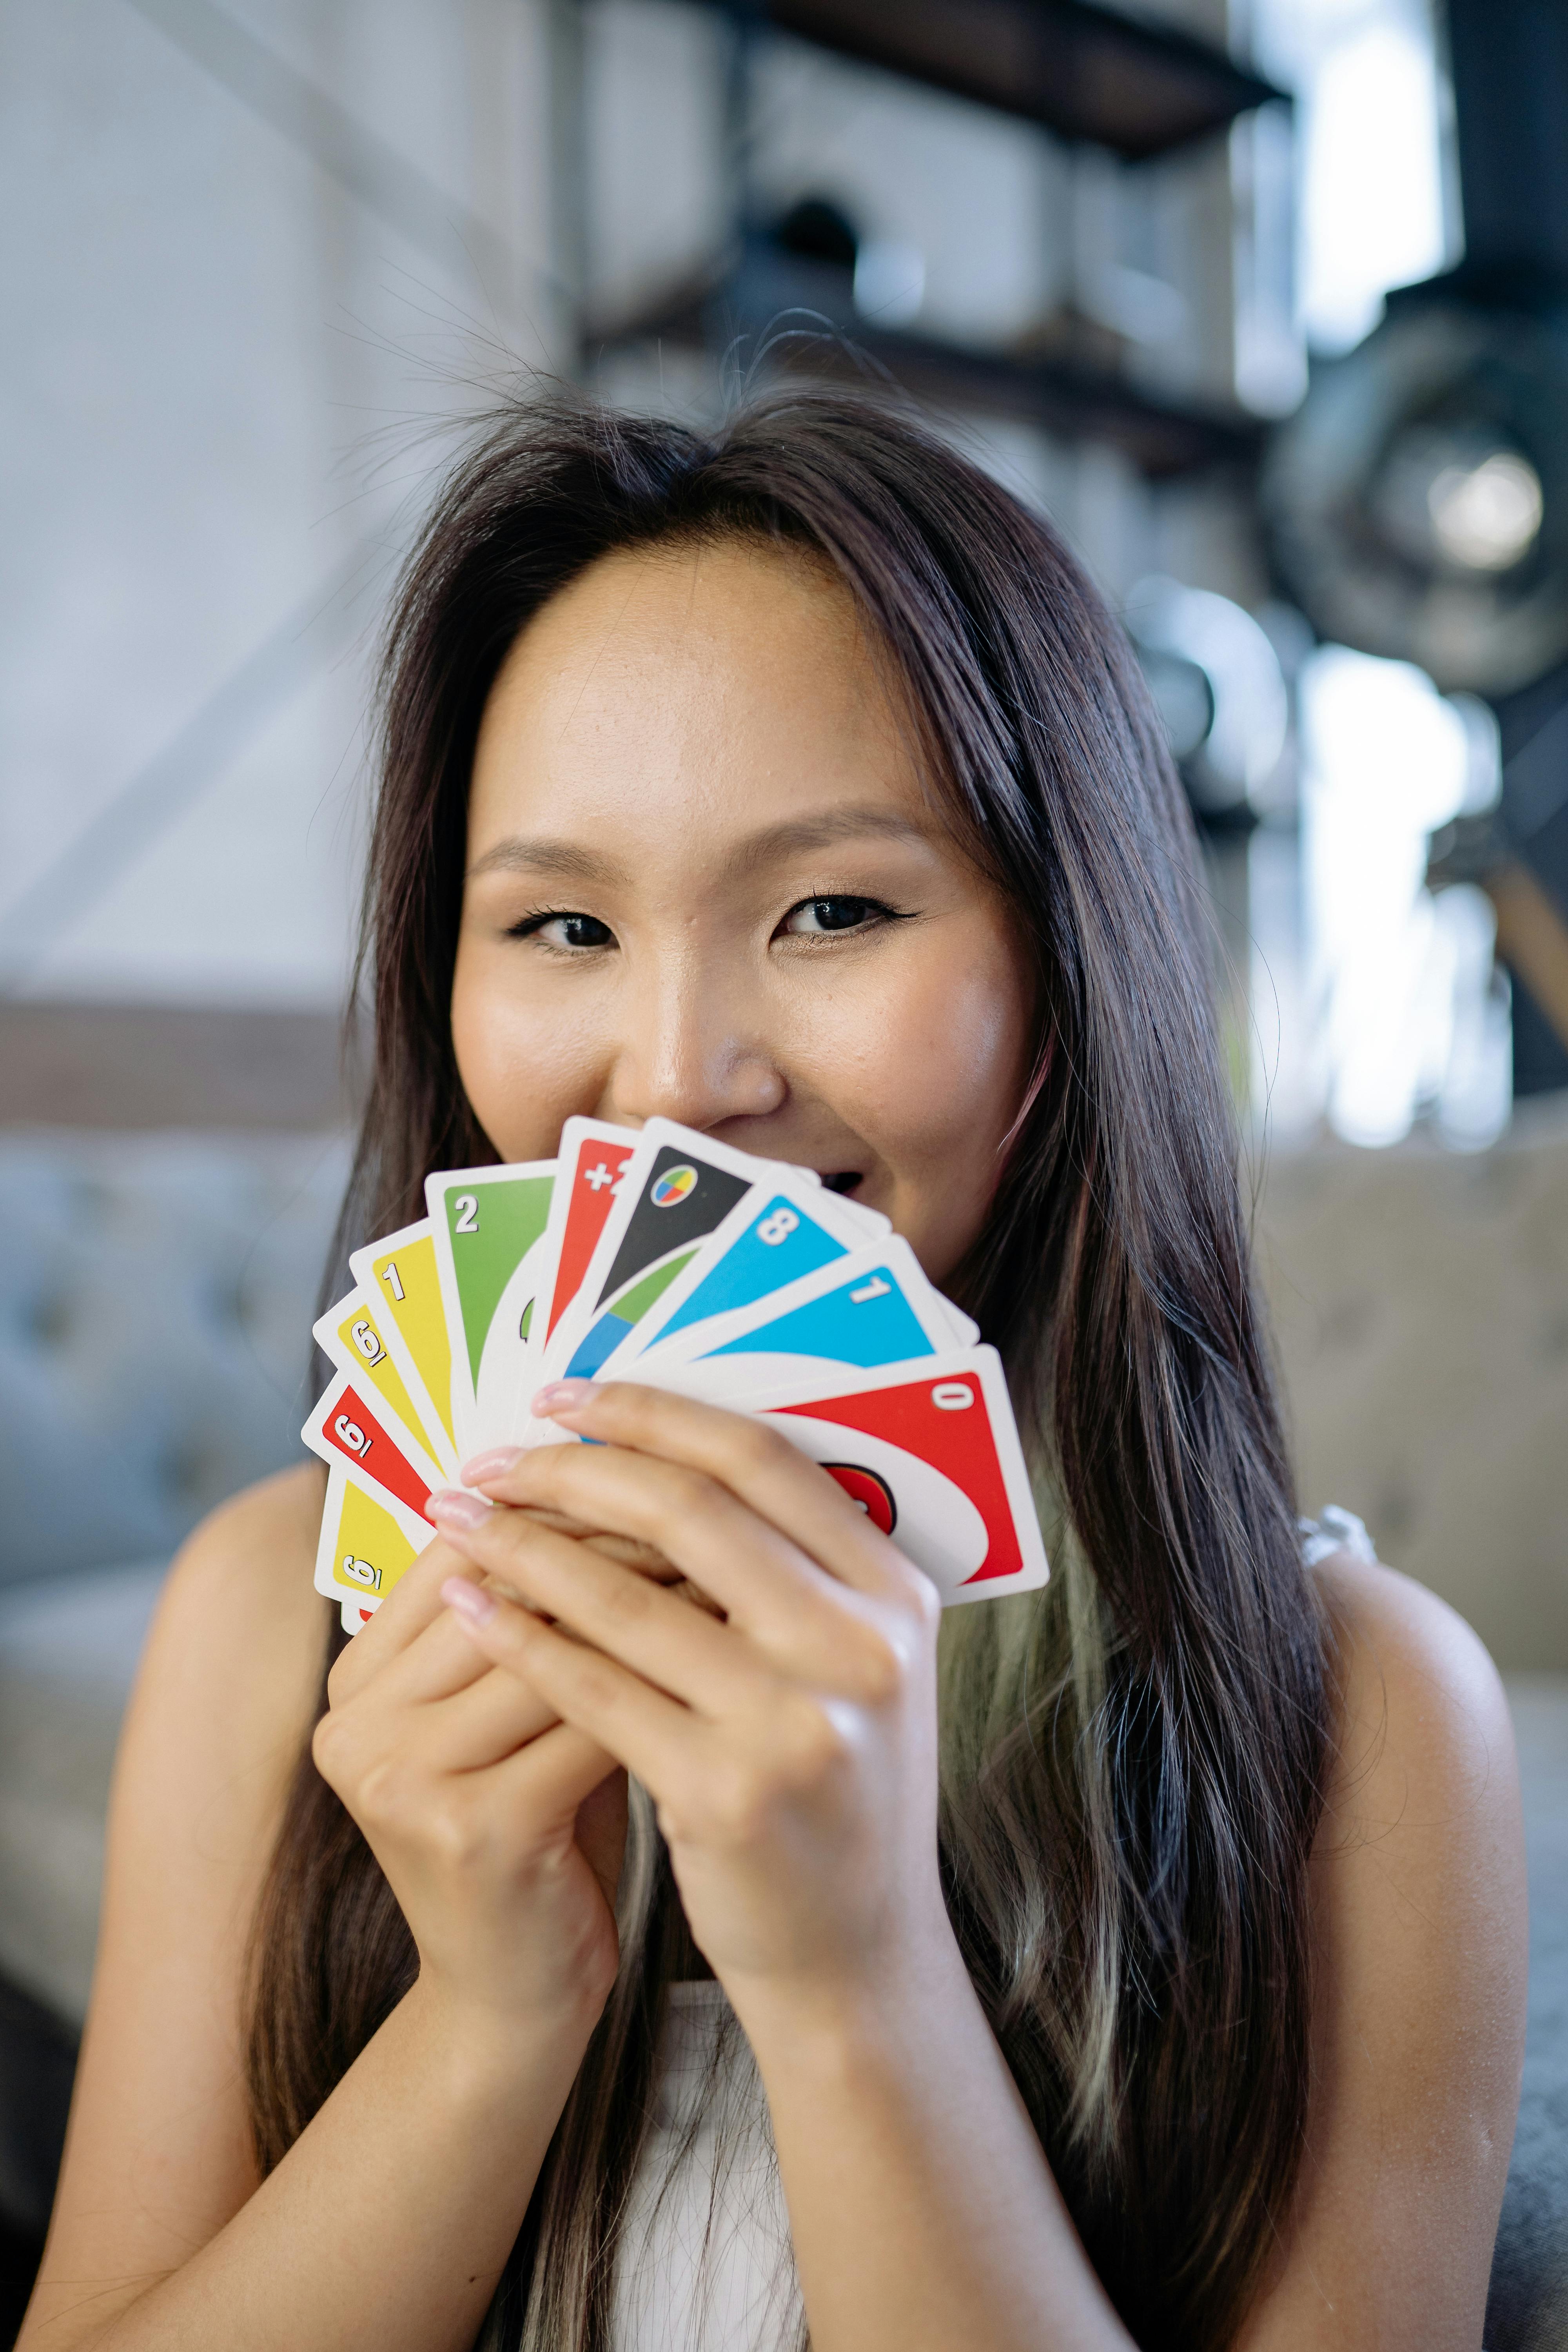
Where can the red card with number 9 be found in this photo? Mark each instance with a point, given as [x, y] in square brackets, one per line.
[349, 1426]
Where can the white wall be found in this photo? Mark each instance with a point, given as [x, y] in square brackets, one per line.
[217, 352]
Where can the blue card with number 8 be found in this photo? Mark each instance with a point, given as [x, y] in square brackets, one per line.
[769, 1239]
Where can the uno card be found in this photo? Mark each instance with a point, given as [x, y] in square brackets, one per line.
[346, 1428]
[931, 1453]
[593, 1156]
[349, 1334]
[773, 1236]
[487, 1224]
[401, 1274]
[676, 1189]
[871, 1306]
[366, 1543]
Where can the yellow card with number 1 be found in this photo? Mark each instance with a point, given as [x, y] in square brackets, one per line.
[399, 1273]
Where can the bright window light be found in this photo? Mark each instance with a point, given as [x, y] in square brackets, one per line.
[1386, 762]
[1373, 116]
[1371, 180]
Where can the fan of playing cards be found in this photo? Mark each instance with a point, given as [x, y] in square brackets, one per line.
[662, 1256]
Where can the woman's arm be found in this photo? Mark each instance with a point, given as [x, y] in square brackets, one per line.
[792, 1755]
[387, 2223]
[912, 2187]
[1418, 2013]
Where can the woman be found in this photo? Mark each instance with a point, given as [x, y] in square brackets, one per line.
[1137, 1961]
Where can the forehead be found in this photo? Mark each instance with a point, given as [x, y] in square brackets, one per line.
[735, 681]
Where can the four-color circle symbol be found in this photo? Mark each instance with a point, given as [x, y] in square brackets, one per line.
[674, 1185]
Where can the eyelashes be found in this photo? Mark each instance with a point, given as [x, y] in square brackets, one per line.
[827, 914]
[833, 913]
[580, 932]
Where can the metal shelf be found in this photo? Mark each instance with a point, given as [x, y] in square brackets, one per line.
[803, 315]
[1082, 71]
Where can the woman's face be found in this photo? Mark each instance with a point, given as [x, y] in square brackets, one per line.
[704, 882]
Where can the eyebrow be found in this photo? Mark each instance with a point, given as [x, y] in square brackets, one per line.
[571, 861]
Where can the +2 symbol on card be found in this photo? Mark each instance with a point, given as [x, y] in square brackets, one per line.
[599, 1177]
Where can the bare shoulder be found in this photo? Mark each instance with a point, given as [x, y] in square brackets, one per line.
[230, 1679]
[243, 1578]
[1419, 1704]
[1419, 1934]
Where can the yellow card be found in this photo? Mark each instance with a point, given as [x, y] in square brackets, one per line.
[352, 1338]
[364, 1546]
[399, 1275]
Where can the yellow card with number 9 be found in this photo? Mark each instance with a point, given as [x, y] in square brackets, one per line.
[365, 1548]
[350, 1335]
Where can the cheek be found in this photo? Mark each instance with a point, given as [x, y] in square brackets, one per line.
[524, 1069]
[951, 1088]
[931, 1070]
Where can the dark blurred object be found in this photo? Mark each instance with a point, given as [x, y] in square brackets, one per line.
[1527, 2304]
[816, 231]
[793, 289]
[1531, 935]
[1518, 852]
[19, 2257]
[1084, 72]
[37, 2064]
[1418, 500]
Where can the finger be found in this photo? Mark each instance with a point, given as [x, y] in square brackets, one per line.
[554, 1774]
[414, 1603]
[655, 1737]
[624, 1548]
[740, 1452]
[710, 1666]
[766, 1586]
[799, 1614]
[495, 1715]
[430, 1669]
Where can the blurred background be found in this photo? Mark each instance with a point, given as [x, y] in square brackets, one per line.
[1264, 301]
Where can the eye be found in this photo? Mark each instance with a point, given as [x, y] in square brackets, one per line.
[566, 931]
[815, 918]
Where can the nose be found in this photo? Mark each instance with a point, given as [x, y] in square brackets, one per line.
[692, 1046]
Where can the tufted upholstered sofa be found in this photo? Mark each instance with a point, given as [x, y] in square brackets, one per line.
[156, 1293]
[155, 1299]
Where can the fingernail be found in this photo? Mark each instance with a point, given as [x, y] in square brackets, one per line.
[450, 1508]
[469, 1601]
[562, 1396]
[493, 1464]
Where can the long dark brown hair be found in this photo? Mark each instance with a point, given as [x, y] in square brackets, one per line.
[1132, 1759]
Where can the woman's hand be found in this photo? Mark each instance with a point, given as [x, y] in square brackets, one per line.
[499, 1828]
[791, 1745]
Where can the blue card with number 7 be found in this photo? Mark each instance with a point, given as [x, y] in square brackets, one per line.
[871, 1307]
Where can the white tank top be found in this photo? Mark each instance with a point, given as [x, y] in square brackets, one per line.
[702, 2258]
